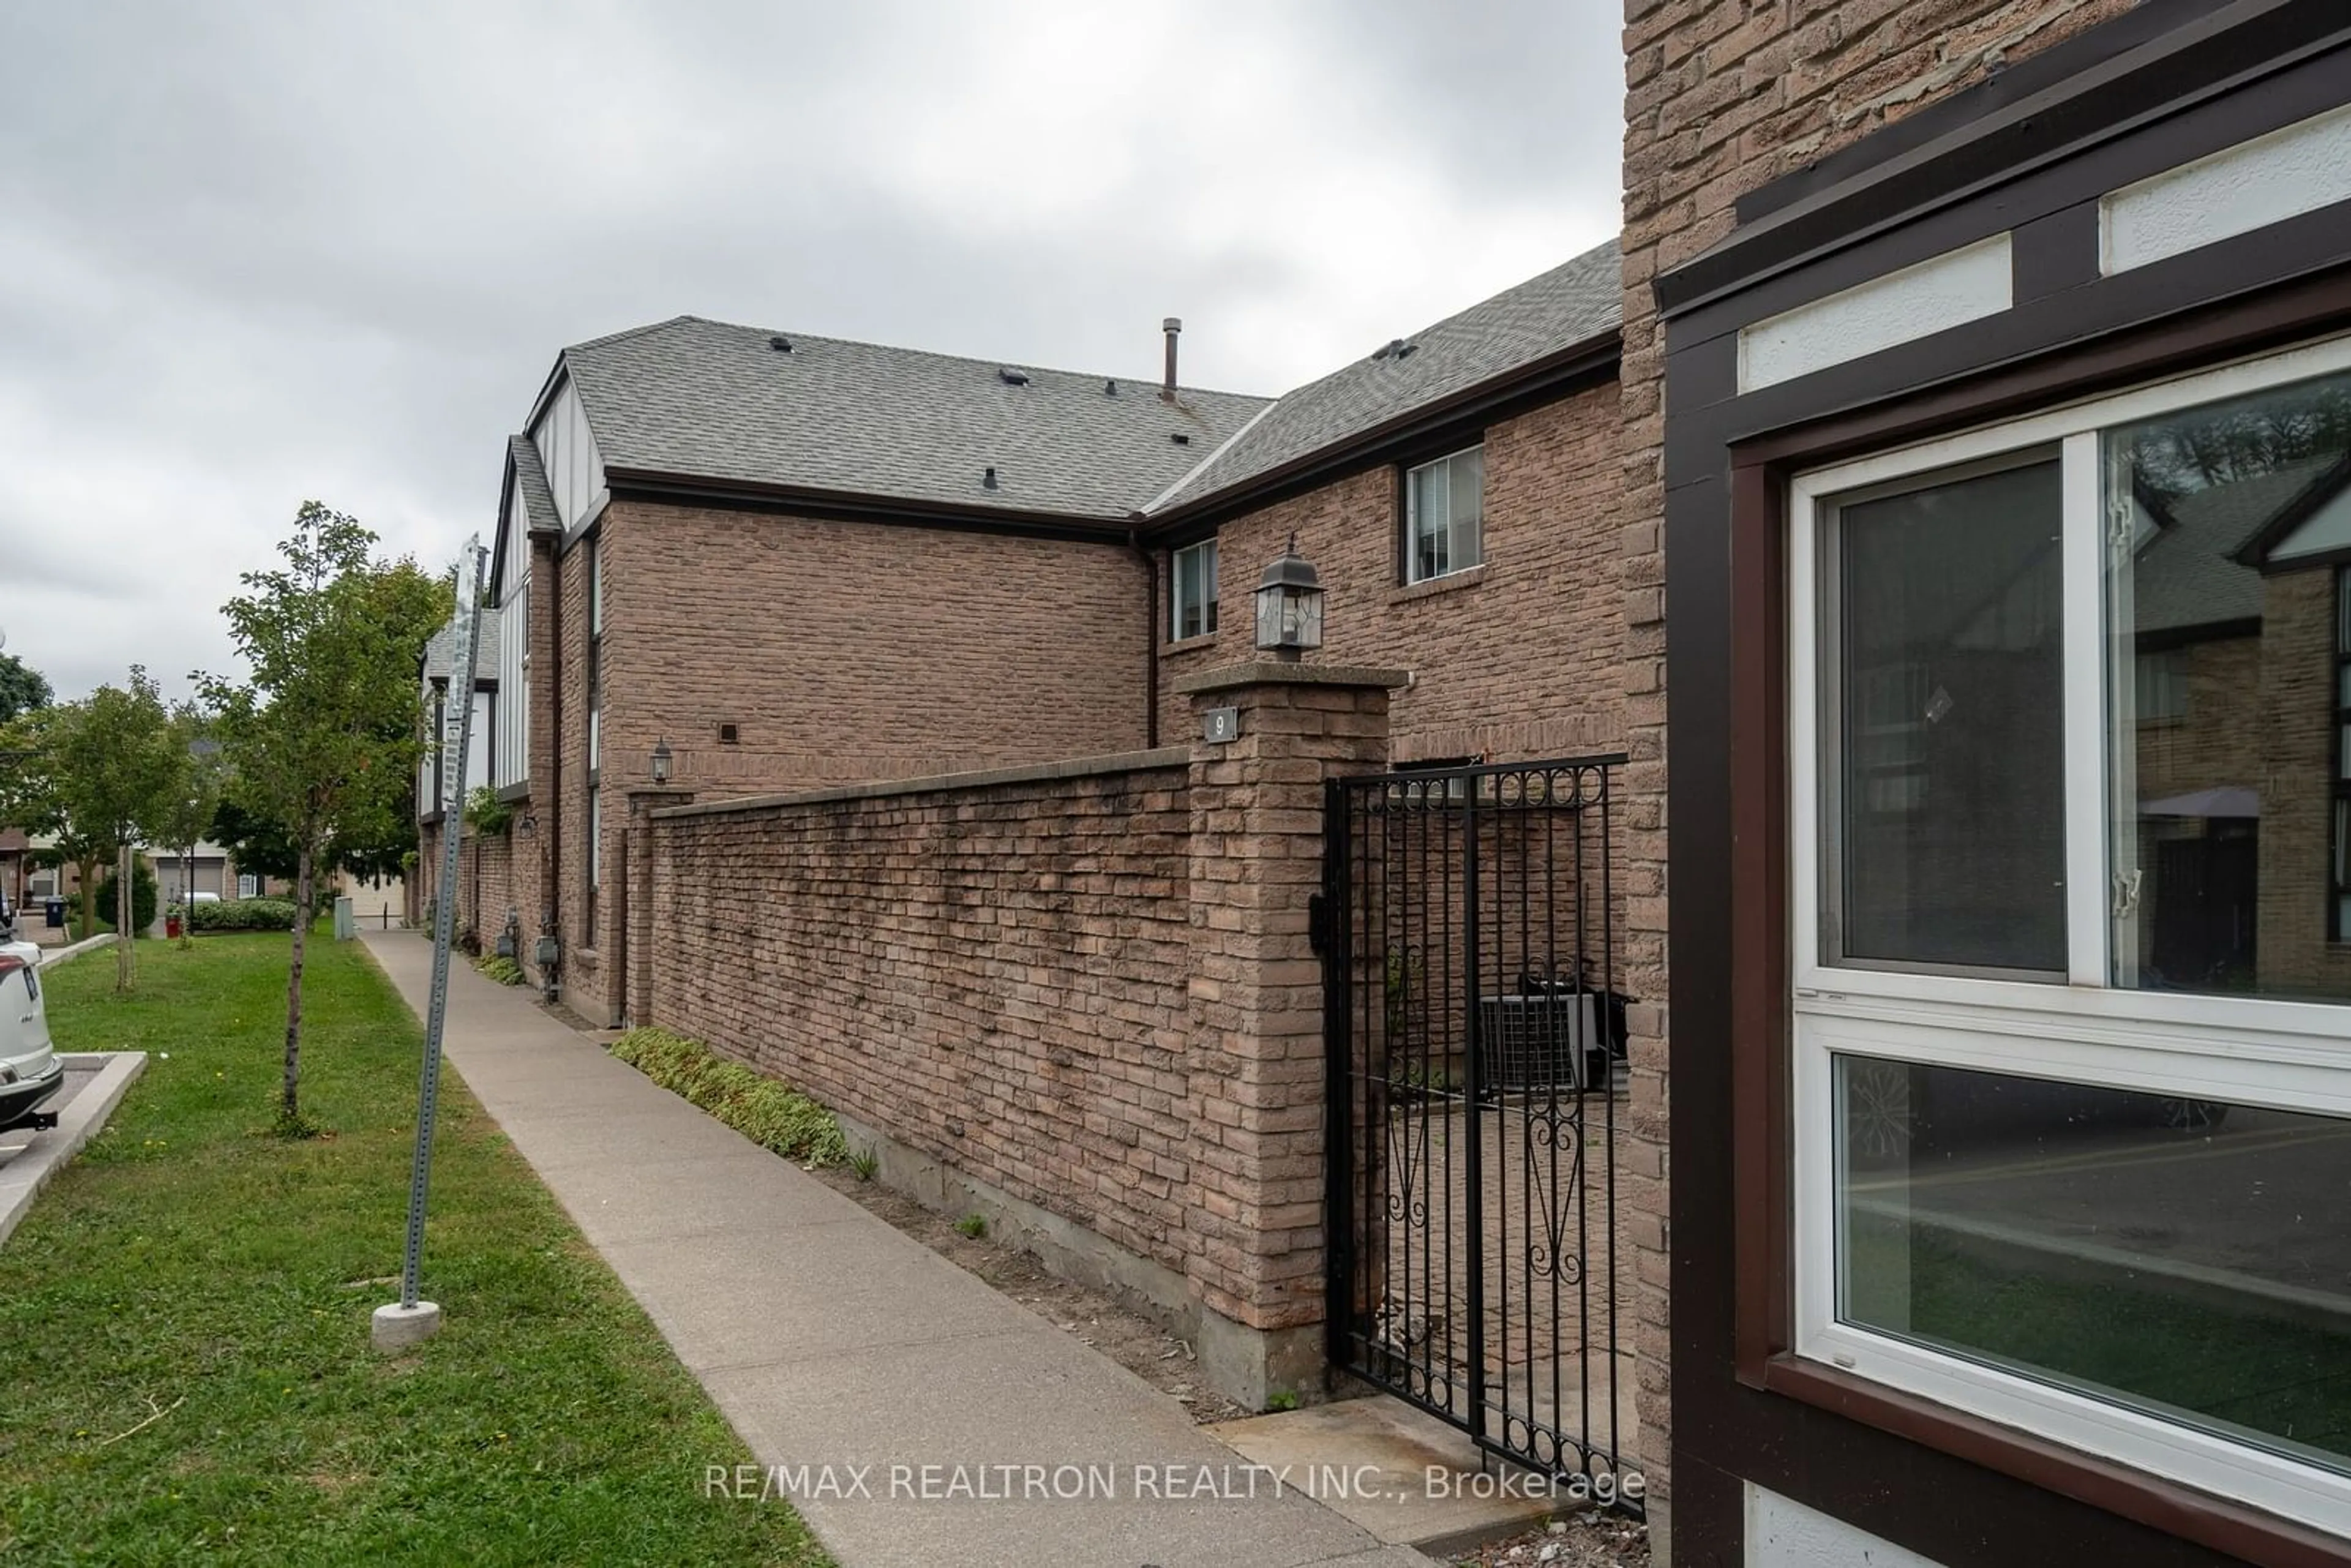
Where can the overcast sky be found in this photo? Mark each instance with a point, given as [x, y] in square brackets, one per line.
[255, 253]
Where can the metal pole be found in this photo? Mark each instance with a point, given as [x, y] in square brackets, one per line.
[411, 1320]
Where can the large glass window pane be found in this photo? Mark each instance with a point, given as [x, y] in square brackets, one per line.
[2227, 524]
[1467, 504]
[1947, 831]
[1193, 591]
[1429, 506]
[2185, 1256]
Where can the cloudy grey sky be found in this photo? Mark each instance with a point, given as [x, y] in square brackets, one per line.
[252, 252]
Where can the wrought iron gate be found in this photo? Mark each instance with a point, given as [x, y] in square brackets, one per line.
[1476, 1026]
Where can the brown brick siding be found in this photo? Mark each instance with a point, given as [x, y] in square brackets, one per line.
[842, 651]
[1096, 993]
[994, 977]
[1515, 660]
[847, 652]
[2295, 767]
[1722, 96]
[1256, 1047]
[485, 882]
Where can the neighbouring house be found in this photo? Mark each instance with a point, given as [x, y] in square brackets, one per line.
[795, 561]
[1985, 459]
[16, 870]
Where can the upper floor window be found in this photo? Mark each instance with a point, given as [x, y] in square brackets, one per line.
[2163, 684]
[1192, 593]
[1444, 516]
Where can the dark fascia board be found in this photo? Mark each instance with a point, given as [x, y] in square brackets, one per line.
[2205, 631]
[686, 489]
[498, 534]
[2292, 515]
[1422, 430]
[590, 524]
[481, 683]
[2154, 61]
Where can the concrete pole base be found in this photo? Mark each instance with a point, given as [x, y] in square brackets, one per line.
[396, 1327]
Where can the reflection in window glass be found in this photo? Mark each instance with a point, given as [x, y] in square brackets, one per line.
[2228, 852]
[1946, 685]
[2185, 1257]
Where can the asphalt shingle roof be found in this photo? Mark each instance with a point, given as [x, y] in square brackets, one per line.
[530, 478]
[2186, 576]
[1573, 303]
[440, 651]
[718, 401]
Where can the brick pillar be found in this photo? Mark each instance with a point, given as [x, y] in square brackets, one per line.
[1256, 1010]
[633, 964]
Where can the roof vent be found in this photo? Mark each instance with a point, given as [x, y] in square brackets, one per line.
[780, 344]
[1395, 348]
[1179, 438]
[1013, 378]
[988, 480]
[1110, 389]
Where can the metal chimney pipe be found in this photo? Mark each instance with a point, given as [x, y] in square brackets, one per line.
[1173, 325]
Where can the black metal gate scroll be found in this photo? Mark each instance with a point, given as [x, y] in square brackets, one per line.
[1476, 1031]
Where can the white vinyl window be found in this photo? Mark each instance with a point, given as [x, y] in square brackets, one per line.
[1192, 593]
[1444, 516]
[2072, 1058]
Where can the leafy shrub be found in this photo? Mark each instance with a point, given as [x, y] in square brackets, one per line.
[505, 971]
[767, 1112]
[143, 897]
[242, 914]
[486, 813]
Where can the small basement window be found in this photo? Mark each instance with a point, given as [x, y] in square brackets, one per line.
[1192, 592]
[1444, 516]
[729, 734]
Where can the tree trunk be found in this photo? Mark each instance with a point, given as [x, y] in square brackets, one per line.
[124, 905]
[86, 874]
[290, 1108]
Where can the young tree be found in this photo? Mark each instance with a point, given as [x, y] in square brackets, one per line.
[113, 760]
[324, 738]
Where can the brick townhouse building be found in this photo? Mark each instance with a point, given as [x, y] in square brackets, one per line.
[796, 563]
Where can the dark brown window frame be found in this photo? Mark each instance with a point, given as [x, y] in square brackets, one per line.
[1762, 468]
[2339, 883]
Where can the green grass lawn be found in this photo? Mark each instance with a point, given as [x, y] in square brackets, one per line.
[2240, 1364]
[191, 1262]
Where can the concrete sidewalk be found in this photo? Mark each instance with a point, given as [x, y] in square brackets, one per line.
[831, 1339]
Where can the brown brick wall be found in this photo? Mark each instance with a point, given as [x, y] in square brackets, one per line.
[1518, 659]
[842, 651]
[486, 885]
[848, 652]
[1257, 1062]
[584, 944]
[995, 977]
[2295, 771]
[1722, 96]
